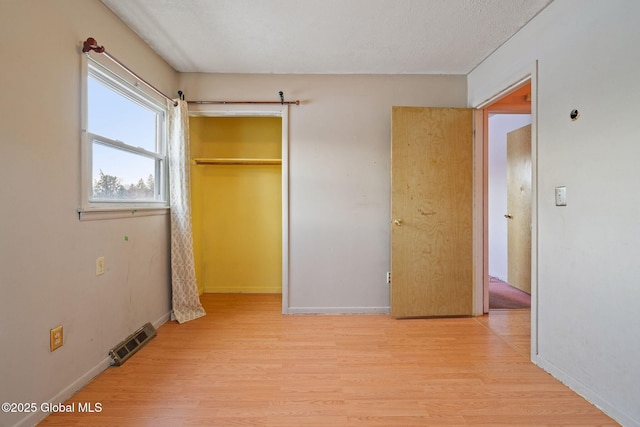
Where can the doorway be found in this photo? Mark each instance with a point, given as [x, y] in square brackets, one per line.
[509, 210]
[508, 180]
[509, 119]
[239, 172]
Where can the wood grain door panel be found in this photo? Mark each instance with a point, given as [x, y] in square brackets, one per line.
[431, 207]
[519, 208]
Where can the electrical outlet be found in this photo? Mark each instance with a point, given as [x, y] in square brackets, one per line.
[100, 266]
[55, 338]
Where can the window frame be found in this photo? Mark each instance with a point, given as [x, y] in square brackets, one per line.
[122, 82]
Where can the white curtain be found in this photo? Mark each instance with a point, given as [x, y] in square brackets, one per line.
[185, 299]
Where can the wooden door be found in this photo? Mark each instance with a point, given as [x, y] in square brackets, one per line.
[431, 208]
[519, 208]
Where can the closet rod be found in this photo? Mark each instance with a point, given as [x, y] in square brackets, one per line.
[281, 93]
[92, 44]
[232, 161]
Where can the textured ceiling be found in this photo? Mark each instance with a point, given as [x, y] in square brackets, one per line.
[325, 36]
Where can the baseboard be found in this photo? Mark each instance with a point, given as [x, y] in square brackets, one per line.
[586, 392]
[162, 320]
[338, 310]
[67, 392]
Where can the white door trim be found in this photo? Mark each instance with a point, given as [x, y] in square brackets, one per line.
[282, 111]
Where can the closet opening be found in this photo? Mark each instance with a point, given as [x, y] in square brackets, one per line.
[239, 200]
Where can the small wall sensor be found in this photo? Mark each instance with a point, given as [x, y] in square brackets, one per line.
[574, 115]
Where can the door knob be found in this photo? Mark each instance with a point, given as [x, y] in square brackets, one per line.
[397, 222]
[508, 216]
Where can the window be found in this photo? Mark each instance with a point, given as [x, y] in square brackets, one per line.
[124, 145]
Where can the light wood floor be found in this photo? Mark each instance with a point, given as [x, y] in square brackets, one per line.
[246, 364]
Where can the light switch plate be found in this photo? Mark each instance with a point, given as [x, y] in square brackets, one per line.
[561, 196]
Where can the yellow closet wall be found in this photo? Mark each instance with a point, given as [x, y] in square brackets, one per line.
[237, 209]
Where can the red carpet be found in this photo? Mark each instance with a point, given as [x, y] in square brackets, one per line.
[502, 295]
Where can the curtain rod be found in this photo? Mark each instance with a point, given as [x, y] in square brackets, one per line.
[92, 45]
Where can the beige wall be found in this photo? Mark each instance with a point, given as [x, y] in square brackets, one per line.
[339, 160]
[47, 256]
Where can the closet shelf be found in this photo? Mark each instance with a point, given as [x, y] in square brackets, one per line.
[229, 161]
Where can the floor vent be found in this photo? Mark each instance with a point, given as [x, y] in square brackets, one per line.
[133, 343]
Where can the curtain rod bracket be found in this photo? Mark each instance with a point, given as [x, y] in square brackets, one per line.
[91, 44]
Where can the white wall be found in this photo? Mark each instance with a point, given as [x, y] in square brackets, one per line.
[588, 274]
[499, 126]
[339, 152]
[47, 256]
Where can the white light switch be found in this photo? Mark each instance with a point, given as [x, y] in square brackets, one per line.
[561, 196]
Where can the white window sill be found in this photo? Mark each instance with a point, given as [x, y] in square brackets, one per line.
[94, 214]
